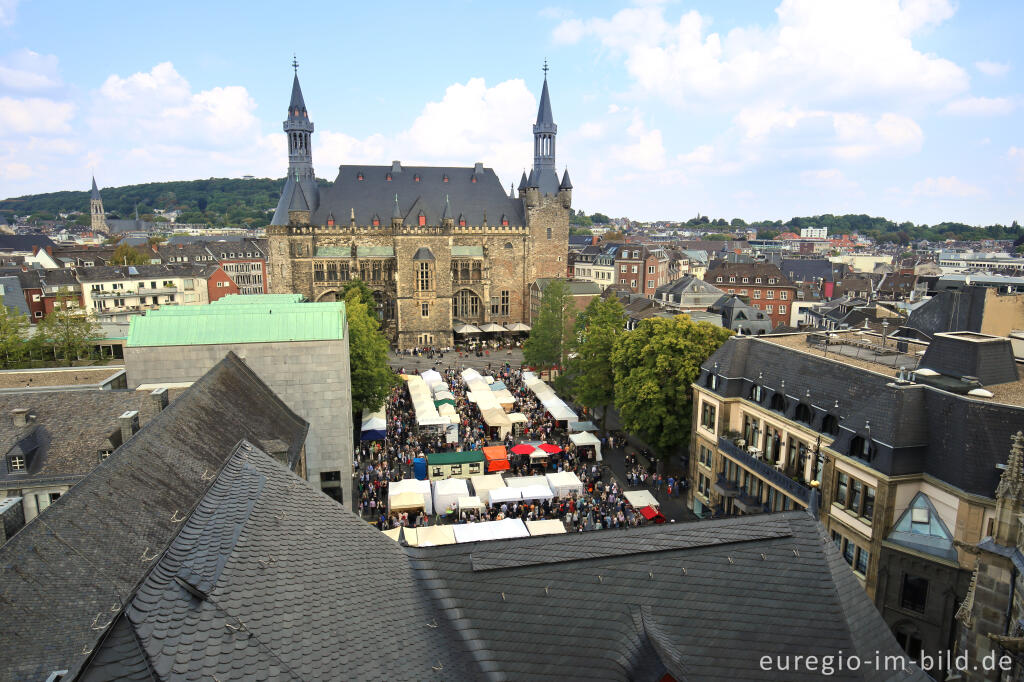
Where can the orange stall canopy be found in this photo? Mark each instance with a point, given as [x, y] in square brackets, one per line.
[497, 458]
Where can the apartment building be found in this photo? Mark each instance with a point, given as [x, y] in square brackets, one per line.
[641, 269]
[244, 260]
[764, 284]
[110, 292]
[899, 459]
[596, 263]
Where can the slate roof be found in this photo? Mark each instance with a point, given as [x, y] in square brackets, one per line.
[14, 295]
[307, 588]
[71, 570]
[811, 270]
[95, 194]
[950, 311]
[23, 243]
[375, 195]
[68, 430]
[916, 428]
[113, 273]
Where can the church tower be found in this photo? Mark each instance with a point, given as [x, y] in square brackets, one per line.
[545, 176]
[300, 188]
[99, 218]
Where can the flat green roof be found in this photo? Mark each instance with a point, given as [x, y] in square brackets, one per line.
[246, 299]
[467, 251]
[436, 458]
[334, 251]
[242, 327]
[269, 308]
[375, 251]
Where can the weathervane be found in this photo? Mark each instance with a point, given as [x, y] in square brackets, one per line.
[295, 63]
[545, 68]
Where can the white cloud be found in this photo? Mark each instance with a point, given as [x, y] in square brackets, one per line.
[8, 11]
[34, 115]
[950, 186]
[591, 130]
[702, 155]
[827, 178]
[981, 106]
[28, 70]
[992, 68]
[816, 52]
[645, 151]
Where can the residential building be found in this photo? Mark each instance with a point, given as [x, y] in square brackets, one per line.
[687, 293]
[904, 450]
[439, 246]
[582, 293]
[219, 285]
[43, 288]
[763, 284]
[299, 349]
[952, 262]
[641, 268]
[741, 317]
[119, 291]
[596, 263]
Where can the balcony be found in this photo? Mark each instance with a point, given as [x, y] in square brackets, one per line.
[724, 487]
[765, 471]
[131, 293]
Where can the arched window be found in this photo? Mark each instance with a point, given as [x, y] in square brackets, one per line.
[830, 425]
[778, 403]
[467, 305]
[757, 393]
[508, 245]
[803, 413]
[863, 448]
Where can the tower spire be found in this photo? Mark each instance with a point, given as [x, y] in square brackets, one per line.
[544, 132]
[299, 131]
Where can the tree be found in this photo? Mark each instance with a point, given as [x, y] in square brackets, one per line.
[372, 378]
[125, 254]
[654, 366]
[548, 342]
[613, 236]
[600, 218]
[70, 330]
[13, 328]
[597, 329]
[363, 290]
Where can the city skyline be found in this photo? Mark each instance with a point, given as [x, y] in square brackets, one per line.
[665, 110]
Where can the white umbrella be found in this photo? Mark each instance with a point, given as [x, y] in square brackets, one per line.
[491, 327]
[518, 327]
[467, 329]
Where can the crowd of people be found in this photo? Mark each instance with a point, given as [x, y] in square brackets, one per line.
[600, 505]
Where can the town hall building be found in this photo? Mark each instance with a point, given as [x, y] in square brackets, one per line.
[439, 246]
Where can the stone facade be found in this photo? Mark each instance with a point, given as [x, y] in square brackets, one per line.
[311, 377]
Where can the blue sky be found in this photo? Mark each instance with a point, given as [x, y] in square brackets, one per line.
[911, 109]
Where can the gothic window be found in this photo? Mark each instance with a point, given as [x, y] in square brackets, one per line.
[376, 274]
[508, 245]
[549, 233]
[343, 275]
[423, 282]
[332, 272]
[464, 270]
[318, 272]
[504, 302]
[495, 304]
[467, 305]
[477, 271]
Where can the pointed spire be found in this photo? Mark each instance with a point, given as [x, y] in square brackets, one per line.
[532, 180]
[524, 183]
[296, 103]
[95, 190]
[396, 212]
[1011, 482]
[566, 183]
[298, 201]
[447, 214]
[544, 116]
[511, 190]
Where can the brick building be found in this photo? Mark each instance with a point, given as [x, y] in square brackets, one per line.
[764, 284]
[641, 269]
[219, 285]
[439, 246]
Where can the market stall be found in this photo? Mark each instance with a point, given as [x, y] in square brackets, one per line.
[518, 420]
[523, 481]
[504, 495]
[455, 464]
[403, 502]
[490, 530]
[483, 485]
[641, 498]
[652, 514]
[582, 426]
[565, 483]
[587, 444]
[497, 458]
[412, 485]
[470, 503]
[393, 533]
[536, 493]
[432, 536]
[545, 527]
[374, 426]
[447, 493]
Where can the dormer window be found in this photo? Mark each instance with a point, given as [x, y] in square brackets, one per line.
[504, 221]
[359, 177]
[444, 179]
[388, 177]
[473, 179]
[376, 221]
[421, 220]
[757, 393]
[416, 178]
[330, 220]
[16, 462]
[462, 221]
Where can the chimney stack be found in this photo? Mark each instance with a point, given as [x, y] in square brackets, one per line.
[129, 424]
[20, 416]
[159, 397]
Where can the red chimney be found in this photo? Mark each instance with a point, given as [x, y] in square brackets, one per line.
[35, 250]
[49, 250]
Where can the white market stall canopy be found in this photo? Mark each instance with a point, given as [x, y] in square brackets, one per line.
[565, 482]
[447, 493]
[393, 533]
[473, 502]
[641, 498]
[490, 530]
[557, 408]
[517, 417]
[412, 485]
[431, 377]
[484, 484]
[585, 438]
[545, 527]
[502, 495]
[432, 536]
[423, 403]
[375, 425]
[405, 502]
[523, 481]
[536, 492]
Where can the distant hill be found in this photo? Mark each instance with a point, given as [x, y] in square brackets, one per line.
[217, 201]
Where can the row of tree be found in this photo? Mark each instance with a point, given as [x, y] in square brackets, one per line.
[65, 335]
[645, 373]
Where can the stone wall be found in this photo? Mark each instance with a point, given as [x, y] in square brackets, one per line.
[311, 377]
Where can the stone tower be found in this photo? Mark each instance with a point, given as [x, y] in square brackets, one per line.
[300, 188]
[99, 218]
[547, 200]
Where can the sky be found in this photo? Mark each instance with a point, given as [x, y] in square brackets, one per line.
[908, 109]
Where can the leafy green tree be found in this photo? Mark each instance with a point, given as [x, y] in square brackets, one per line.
[13, 331]
[372, 378]
[127, 255]
[362, 289]
[597, 329]
[613, 236]
[654, 366]
[69, 330]
[548, 343]
[718, 237]
[600, 218]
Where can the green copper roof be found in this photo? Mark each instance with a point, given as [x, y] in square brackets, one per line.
[467, 251]
[375, 251]
[438, 458]
[242, 327]
[246, 299]
[252, 308]
[334, 251]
